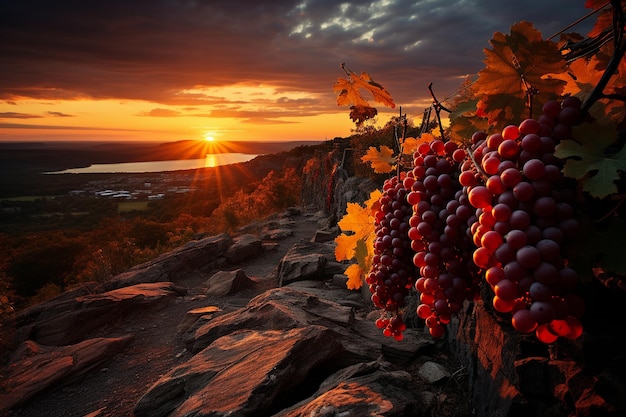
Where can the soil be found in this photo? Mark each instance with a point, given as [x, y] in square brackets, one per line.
[114, 387]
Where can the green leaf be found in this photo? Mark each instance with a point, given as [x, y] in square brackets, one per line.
[596, 170]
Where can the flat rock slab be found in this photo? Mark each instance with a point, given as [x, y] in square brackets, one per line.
[276, 309]
[69, 321]
[43, 366]
[362, 390]
[288, 308]
[242, 374]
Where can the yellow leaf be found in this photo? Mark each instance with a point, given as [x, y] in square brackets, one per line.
[358, 243]
[380, 160]
[355, 277]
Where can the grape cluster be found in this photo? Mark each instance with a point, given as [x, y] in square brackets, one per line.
[392, 273]
[524, 216]
[438, 233]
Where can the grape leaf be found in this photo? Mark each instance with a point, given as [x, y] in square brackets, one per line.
[380, 160]
[360, 114]
[359, 243]
[355, 277]
[604, 19]
[357, 220]
[464, 121]
[410, 144]
[588, 161]
[348, 90]
[582, 77]
[515, 59]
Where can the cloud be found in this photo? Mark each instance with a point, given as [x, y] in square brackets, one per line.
[162, 113]
[58, 114]
[15, 115]
[157, 50]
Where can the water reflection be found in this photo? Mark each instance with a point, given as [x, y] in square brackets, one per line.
[210, 161]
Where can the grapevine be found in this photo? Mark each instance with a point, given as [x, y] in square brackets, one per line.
[498, 202]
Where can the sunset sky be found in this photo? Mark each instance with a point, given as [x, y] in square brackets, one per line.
[236, 70]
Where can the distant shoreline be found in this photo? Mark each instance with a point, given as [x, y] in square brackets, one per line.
[59, 155]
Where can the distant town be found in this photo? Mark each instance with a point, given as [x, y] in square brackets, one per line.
[152, 186]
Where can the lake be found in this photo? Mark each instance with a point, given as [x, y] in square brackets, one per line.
[211, 161]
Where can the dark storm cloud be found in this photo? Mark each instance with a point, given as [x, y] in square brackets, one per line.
[152, 50]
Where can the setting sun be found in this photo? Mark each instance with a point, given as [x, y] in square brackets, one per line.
[209, 138]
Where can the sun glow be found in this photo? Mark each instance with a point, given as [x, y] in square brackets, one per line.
[209, 138]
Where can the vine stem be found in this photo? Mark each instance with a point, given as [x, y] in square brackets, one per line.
[438, 107]
[618, 54]
[477, 165]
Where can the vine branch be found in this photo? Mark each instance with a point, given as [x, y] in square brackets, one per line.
[620, 48]
[438, 107]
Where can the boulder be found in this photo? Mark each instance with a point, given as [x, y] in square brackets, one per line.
[245, 373]
[227, 282]
[40, 367]
[433, 372]
[362, 390]
[69, 321]
[303, 261]
[193, 257]
[244, 247]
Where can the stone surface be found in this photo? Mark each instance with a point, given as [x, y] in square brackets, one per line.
[280, 308]
[361, 390]
[303, 261]
[227, 282]
[244, 247]
[40, 367]
[433, 372]
[191, 258]
[194, 316]
[245, 373]
[69, 321]
[322, 236]
[288, 308]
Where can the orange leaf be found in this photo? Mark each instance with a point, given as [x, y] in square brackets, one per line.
[381, 161]
[410, 144]
[348, 91]
[359, 114]
[355, 277]
[516, 62]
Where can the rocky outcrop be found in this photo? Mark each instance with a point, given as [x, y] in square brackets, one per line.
[198, 256]
[513, 374]
[69, 321]
[245, 373]
[35, 367]
[365, 389]
[308, 347]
